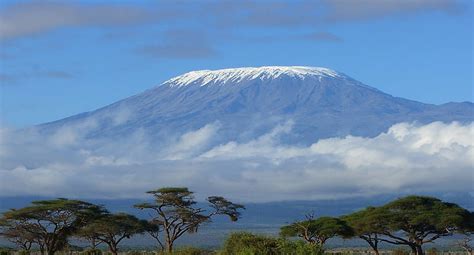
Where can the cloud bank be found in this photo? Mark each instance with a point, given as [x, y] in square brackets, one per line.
[33, 18]
[207, 21]
[408, 158]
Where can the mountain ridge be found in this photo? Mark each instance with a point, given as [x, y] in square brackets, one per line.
[322, 103]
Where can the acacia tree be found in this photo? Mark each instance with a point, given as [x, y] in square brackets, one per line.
[113, 228]
[317, 231]
[175, 213]
[368, 225]
[154, 229]
[51, 222]
[417, 220]
[17, 234]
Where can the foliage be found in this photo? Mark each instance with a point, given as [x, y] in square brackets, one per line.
[52, 222]
[299, 247]
[422, 220]
[368, 224]
[18, 233]
[317, 231]
[177, 214]
[186, 251]
[411, 221]
[111, 229]
[243, 243]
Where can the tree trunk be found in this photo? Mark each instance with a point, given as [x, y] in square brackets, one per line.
[41, 247]
[419, 250]
[375, 249]
[374, 246]
[113, 248]
[169, 246]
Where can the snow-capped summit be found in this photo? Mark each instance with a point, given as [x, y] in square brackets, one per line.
[248, 102]
[235, 75]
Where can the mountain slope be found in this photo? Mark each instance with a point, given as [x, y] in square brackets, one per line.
[247, 102]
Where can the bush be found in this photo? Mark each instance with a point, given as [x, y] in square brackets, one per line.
[186, 251]
[243, 243]
[250, 244]
[298, 248]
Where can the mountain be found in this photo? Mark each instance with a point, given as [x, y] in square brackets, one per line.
[247, 102]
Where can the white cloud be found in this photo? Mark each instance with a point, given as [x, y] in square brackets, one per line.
[408, 158]
[192, 142]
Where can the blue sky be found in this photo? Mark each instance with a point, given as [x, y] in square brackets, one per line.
[62, 58]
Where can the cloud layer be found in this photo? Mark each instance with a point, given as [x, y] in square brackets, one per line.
[207, 22]
[408, 158]
[33, 18]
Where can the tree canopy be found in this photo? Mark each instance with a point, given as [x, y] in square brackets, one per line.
[52, 222]
[411, 221]
[176, 213]
[368, 224]
[422, 220]
[317, 231]
[111, 229]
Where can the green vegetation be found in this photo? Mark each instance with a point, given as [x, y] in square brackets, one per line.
[176, 214]
[408, 223]
[243, 243]
[317, 231]
[111, 229]
[411, 221]
[48, 223]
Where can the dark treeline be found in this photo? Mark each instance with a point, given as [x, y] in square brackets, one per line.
[411, 222]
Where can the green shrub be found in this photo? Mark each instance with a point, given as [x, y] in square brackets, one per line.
[243, 243]
[5, 252]
[298, 248]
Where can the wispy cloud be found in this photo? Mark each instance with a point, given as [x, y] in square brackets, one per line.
[9, 79]
[322, 36]
[408, 158]
[32, 18]
[180, 44]
[348, 10]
